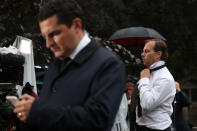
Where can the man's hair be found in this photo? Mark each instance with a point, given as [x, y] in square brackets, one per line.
[131, 78]
[65, 10]
[160, 45]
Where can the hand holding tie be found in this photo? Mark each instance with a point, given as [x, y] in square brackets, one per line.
[145, 73]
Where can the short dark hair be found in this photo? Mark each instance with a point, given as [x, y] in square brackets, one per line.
[65, 10]
[160, 45]
[132, 79]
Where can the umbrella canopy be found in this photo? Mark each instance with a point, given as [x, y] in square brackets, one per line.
[134, 35]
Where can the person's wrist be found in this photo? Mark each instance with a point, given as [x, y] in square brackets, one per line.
[178, 90]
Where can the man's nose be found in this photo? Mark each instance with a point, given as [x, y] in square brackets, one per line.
[49, 42]
[142, 54]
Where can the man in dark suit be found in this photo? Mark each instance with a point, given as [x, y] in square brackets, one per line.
[83, 86]
[181, 100]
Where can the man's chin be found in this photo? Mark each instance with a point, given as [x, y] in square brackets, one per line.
[57, 56]
[146, 64]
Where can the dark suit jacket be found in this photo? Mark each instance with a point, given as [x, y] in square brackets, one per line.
[182, 100]
[85, 96]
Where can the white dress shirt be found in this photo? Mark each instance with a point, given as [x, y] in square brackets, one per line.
[83, 43]
[156, 97]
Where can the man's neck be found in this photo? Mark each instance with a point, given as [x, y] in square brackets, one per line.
[156, 64]
[81, 34]
[82, 43]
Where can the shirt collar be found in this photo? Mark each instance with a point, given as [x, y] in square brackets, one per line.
[84, 42]
[156, 64]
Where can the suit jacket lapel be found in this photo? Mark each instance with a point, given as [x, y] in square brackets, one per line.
[84, 54]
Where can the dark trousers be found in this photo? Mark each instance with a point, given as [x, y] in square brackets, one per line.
[143, 128]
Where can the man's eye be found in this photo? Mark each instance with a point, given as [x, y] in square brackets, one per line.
[56, 33]
[51, 35]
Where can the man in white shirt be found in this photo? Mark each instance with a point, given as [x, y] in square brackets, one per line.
[156, 89]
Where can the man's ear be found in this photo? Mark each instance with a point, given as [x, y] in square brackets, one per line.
[77, 23]
[159, 54]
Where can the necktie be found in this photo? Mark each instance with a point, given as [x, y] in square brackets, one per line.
[157, 68]
[139, 106]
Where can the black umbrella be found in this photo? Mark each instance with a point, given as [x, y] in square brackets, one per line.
[134, 35]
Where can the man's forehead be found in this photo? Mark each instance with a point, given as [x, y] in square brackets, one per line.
[149, 45]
